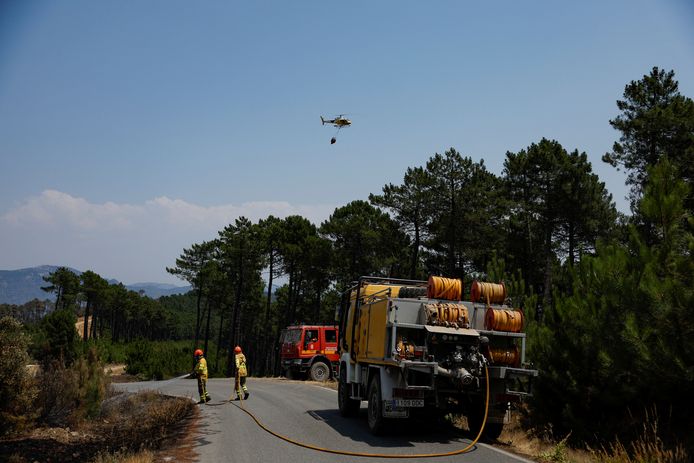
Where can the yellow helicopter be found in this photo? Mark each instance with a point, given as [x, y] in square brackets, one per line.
[339, 122]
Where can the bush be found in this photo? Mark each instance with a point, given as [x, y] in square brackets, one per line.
[70, 395]
[17, 388]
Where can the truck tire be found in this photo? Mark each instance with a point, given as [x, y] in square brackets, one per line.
[493, 430]
[348, 406]
[474, 423]
[319, 372]
[376, 421]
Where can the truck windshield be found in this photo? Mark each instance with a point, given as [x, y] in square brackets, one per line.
[291, 336]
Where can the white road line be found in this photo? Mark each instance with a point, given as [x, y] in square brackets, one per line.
[504, 452]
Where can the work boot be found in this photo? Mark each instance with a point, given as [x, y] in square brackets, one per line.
[245, 395]
[237, 398]
[201, 401]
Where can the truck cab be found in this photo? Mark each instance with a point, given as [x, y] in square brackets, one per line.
[309, 350]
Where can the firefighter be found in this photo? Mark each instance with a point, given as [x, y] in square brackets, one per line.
[200, 372]
[241, 373]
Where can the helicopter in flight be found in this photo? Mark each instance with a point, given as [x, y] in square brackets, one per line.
[339, 122]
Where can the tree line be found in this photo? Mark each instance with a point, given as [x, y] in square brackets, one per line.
[112, 309]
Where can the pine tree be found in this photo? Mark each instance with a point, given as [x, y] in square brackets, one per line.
[655, 121]
[621, 342]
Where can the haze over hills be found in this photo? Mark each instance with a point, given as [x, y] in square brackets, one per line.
[23, 285]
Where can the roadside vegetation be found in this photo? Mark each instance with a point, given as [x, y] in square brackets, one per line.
[65, 411]
[608, 297]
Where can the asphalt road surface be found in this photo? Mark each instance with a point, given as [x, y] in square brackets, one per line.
[307, 413]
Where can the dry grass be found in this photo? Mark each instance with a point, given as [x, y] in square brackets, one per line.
[515, 439]
[144, 456]
[649, 447]
[143, 419]
[115, 369]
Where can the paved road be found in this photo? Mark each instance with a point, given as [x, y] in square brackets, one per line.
[306, 413]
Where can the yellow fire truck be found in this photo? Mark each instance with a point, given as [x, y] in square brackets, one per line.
[410, 347]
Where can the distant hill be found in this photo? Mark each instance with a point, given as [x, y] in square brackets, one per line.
[23, 285]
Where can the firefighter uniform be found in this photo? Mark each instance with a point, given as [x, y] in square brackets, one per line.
[201, 374]
[241, 374]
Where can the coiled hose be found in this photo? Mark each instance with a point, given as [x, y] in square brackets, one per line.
[503, 320]
[450, 289]
[505, 355]
[379, 455]
[491, 293]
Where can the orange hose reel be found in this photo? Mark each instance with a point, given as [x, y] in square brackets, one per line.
[505, 356]
[491, 293]
[450, 289]
[504, 320]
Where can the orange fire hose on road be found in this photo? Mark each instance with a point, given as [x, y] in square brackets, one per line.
[379, 455]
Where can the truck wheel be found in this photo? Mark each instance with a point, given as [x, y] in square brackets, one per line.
[319, 372]
[375, 410]
[474, 423]
[493, 430]
[348, 407]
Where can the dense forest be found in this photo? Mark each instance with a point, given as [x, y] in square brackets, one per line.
[608, 296]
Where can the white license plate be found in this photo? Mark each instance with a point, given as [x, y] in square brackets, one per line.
[401, 403]
[391, 411]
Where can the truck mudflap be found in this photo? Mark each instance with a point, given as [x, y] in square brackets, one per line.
[518, 381]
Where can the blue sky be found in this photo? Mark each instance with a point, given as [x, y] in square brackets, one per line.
[129, 130]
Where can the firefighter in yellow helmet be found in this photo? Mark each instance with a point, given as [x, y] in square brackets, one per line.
[200, 372]
[241, 373]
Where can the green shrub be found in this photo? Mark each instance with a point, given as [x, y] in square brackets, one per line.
[17, 388]
[72, 394]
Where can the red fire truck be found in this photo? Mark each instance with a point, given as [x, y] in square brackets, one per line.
[309, 349]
